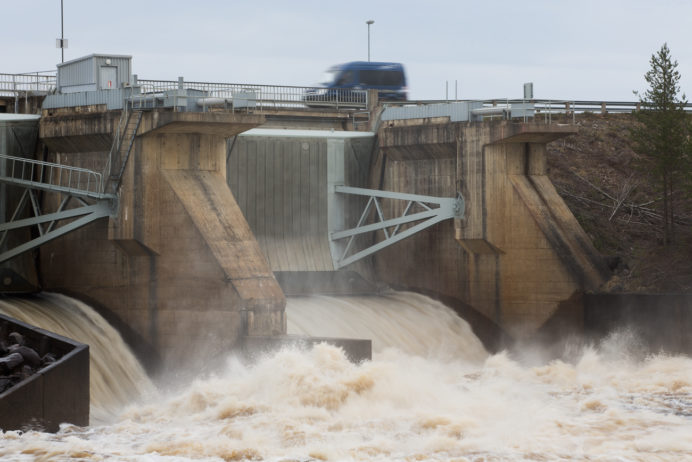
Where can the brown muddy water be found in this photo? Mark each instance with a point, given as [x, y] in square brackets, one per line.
[430, 393]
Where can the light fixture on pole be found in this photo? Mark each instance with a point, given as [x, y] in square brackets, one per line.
[369, 22]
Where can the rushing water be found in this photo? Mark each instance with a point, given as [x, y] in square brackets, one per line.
[430, 393]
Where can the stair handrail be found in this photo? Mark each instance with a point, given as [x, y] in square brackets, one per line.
[119, 178]
[117, 141]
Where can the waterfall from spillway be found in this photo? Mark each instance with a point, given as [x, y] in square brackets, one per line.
[410, 322]
[116, 377]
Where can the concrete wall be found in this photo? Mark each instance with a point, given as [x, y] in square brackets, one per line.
[178, 264]
[518, 252]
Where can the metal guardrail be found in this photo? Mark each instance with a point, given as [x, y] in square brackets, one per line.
[51, 177]
[550, 105]
[21, 84]
[237, 95]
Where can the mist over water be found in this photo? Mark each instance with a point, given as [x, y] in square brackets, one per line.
[445, 399]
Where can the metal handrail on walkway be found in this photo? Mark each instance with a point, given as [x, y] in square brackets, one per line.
[52, 177]
[36, 82]
[240, 95]
[548, 105]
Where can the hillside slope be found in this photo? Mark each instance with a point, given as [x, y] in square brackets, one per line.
[619, 208]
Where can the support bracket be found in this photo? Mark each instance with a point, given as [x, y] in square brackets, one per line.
[82, 201]
[420, 212]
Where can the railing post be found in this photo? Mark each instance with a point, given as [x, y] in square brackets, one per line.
[371, 100]
[603, 109]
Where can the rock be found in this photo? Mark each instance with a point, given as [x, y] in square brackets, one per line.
[16, 338]
[26, 372]
[9, 362]
[29, 354]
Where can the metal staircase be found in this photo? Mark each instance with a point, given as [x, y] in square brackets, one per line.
[122, 147]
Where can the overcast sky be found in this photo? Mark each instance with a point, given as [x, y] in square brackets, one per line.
[571, 49]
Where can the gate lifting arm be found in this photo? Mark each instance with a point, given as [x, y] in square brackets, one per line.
[447, 207]
[81, 201]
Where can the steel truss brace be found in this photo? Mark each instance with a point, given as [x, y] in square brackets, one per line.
[79, 216]
[446, 208]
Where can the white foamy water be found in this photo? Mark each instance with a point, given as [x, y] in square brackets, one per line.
[407, 404]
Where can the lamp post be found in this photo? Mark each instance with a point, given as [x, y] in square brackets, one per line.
[369, 22]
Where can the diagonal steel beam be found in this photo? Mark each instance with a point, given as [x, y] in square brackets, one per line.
[51, 217]
[392, 240]
[447, 207]
[382, 225]
[99, 211]
[17, 211]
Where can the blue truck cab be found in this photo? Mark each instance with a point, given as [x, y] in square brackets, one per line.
[352, 79]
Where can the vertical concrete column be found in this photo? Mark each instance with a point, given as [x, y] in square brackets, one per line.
[536, 161]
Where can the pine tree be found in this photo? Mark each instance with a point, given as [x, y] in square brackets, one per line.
[661, 138]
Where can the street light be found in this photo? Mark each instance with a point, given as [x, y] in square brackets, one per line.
[369, 22]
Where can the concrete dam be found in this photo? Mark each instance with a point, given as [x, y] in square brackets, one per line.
[208, 217]
[217, 220]
[207, 220]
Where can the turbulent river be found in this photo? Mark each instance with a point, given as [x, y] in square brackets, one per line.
[431, 392]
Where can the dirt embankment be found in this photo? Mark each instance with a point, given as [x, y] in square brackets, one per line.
[620, 207]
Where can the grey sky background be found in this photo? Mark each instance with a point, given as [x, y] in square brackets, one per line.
[577, 49]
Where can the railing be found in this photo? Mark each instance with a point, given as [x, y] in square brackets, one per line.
[20, 84]
[236, 95]
[550, 105]
[51, 177]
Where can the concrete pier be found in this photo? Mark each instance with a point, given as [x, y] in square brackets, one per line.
[519, 252]
[179, 264]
